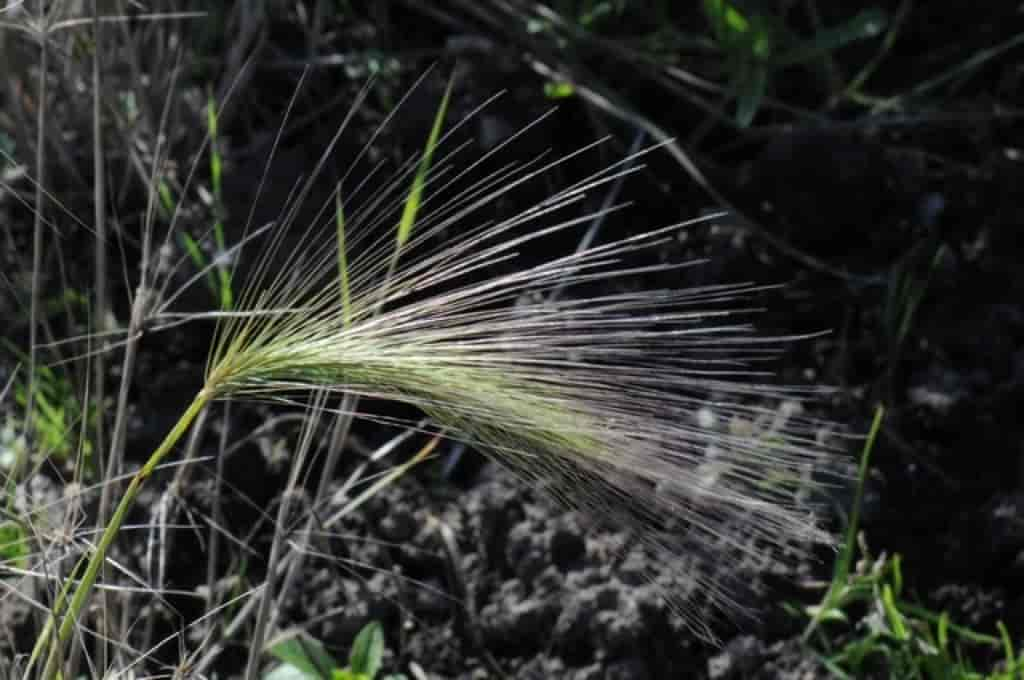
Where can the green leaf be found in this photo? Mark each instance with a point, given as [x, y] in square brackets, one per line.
[745, 36]
[1004, 635]
[346, 294]
[367, 650]
[166, 198]
[211, 114]
[224, 286]
[841, 571]
[867, 24]
[559, 90]
[415, 196]
[750, 91]
[216, 172]
[303, 652]
[726, 19]
[827, 614]
[195, 253]
[347, 674]
[892, 613]
[287, 672]
[909, 280]
[942, 632]
[13, 544]
[412, 202]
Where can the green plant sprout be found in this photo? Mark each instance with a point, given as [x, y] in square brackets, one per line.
[756, 43]
[218, 278]
[842, 569]
[885, 632]
[908, 283]
[592, 397]
[14, 544]
[910, 640]
[304, 658]
[56, 411]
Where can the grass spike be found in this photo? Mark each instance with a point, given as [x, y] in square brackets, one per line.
[595, 397]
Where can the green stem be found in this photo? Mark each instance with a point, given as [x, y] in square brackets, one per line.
[99, 555]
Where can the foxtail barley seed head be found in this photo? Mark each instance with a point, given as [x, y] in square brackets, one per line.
[642, 407]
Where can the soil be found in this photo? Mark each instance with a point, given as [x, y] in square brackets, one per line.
[476, 576]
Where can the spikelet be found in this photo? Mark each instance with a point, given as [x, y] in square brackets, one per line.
[639, 407]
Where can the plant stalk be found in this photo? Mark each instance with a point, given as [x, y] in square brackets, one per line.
[92, 569]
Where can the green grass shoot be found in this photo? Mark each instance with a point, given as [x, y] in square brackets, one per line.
[343, 282]
[223, 270]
